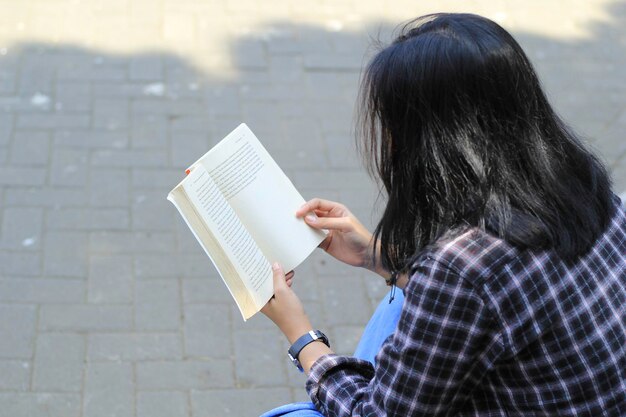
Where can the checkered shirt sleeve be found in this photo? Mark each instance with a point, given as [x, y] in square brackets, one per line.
[444, 344]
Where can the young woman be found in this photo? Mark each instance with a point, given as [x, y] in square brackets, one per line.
[500, 228]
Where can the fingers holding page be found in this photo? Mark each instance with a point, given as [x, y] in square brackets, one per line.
[289, 278]
[318, 204]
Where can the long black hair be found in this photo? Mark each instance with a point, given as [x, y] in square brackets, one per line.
[456, 127]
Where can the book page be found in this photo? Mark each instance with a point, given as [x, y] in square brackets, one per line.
[263, 197]
[251, 265]
[228, 272]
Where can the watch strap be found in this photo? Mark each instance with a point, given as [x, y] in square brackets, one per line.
[298, 345]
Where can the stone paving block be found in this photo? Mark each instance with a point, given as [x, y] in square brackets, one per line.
[347, 338]
[162, 404]
[157, 304]
[72, 96]
[186, 242]
[237, 402]
[53, 120]
[44, 196]
[109, 188]
[187, 147]
[151, 211]
[69, 167]
[127, 158]
[88, 219]
[21, 228]
[250, 55]
[65, 254]
[150, 131]
[344, 300]
[207, 331]
[23, 264]
[163, 179]
[85, 317]
[286, 68]
[37, 404]
[120, 90]
[47, 290]
[342, 151]
[196, 265]
[87, 71]
[134, 346]
[333, 61]
[59, 360]
[324, 265]
[260, 359]
[17, 327]
[375, 287]
[157, 266]
[306, 286]
[178, 27]
[299, 394]
[35, 80]
[109, 390]
[90, 139]
[132, 242]
[110, 279]
[257, 322]
[225, 101]
[20, 104]
[22, 176]
[185, 375]
[15, 375]
[8, 80]
[6, 127]
[30, 148]
[111, 114]
[146, 67]
[193, 123]
[169, 107]
[209, 289]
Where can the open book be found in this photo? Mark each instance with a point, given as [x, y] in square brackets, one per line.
[241, 207]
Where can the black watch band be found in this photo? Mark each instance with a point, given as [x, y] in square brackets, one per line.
[298, 345]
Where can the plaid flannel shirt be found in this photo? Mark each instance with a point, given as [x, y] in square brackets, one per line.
[489, 330]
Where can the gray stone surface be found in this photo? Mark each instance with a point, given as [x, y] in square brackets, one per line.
[162, 403]
[108, 307]
[109, 390]
[17, 327]
[59, 360]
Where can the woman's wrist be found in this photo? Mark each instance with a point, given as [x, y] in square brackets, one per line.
[293, 332]
[311, 353]
[374, 263]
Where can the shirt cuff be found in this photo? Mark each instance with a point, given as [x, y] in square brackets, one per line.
[331, 369]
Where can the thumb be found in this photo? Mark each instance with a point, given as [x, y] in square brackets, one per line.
[280, 283]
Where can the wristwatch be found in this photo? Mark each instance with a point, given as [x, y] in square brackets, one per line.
[298, 345]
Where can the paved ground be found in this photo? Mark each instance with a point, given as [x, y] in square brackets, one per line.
[107, 305]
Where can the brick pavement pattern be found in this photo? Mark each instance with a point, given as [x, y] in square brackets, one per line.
[108, 307]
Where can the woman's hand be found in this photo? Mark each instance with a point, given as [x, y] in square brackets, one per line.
[348, 240]
[287, 312]
[285, 308]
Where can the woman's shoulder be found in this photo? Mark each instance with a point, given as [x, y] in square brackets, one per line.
[471, 253]
[480, 256]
